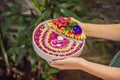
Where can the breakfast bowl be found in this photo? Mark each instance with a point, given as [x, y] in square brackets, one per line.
[58, 39]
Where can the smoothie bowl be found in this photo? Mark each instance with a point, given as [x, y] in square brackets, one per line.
[58, 39]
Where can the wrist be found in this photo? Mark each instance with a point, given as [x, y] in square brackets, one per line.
[86, 28]
[82, 63]
[91, 30]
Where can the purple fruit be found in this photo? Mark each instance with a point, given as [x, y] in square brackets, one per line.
[77, 29]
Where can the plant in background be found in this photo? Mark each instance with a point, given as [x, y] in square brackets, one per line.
[54, 9]
[19, 43]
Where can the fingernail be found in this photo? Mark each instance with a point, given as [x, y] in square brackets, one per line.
[52, 62]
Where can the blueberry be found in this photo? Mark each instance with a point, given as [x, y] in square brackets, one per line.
[77, 29]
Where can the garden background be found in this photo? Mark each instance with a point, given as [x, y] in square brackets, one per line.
[18, 18]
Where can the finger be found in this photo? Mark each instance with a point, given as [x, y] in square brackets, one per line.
[51, 64]
[56, 66]
[59, 62]
[62, 67]
[75, 20]
[63, 61]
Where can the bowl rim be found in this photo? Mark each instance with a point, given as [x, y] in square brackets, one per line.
[34, 44]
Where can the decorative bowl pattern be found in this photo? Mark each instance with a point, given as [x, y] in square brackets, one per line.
[50, 44]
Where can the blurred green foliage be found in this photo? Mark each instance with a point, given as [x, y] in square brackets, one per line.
[19, 44]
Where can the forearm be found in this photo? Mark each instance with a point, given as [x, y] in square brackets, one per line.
[102, 71]
[106, 31]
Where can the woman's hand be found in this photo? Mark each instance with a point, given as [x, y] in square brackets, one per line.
[102, 71]
[68, 63]
[99, 30]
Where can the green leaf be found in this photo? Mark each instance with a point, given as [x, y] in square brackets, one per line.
[4, 52]
[116, 60]
[44, 75]
[8, 22]
[38, 20]
[43, 4]
[11, 6]
[36, 4]
[68, 4]
[46, 66]
[48, 78]
[7, 14]
[43, 62]
[21, 40]
[21, 31]
[56, 14]
[32, 58]
[55, 2]
[32, 53]
[32, 62]
[13, 57]
[54, 70]
[73, 23]
[43, 15]
[68, 28]
[13, 49]
[20, 56]
[69, 13]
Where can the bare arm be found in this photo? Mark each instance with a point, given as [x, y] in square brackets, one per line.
[106, 31]
[102, 71]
